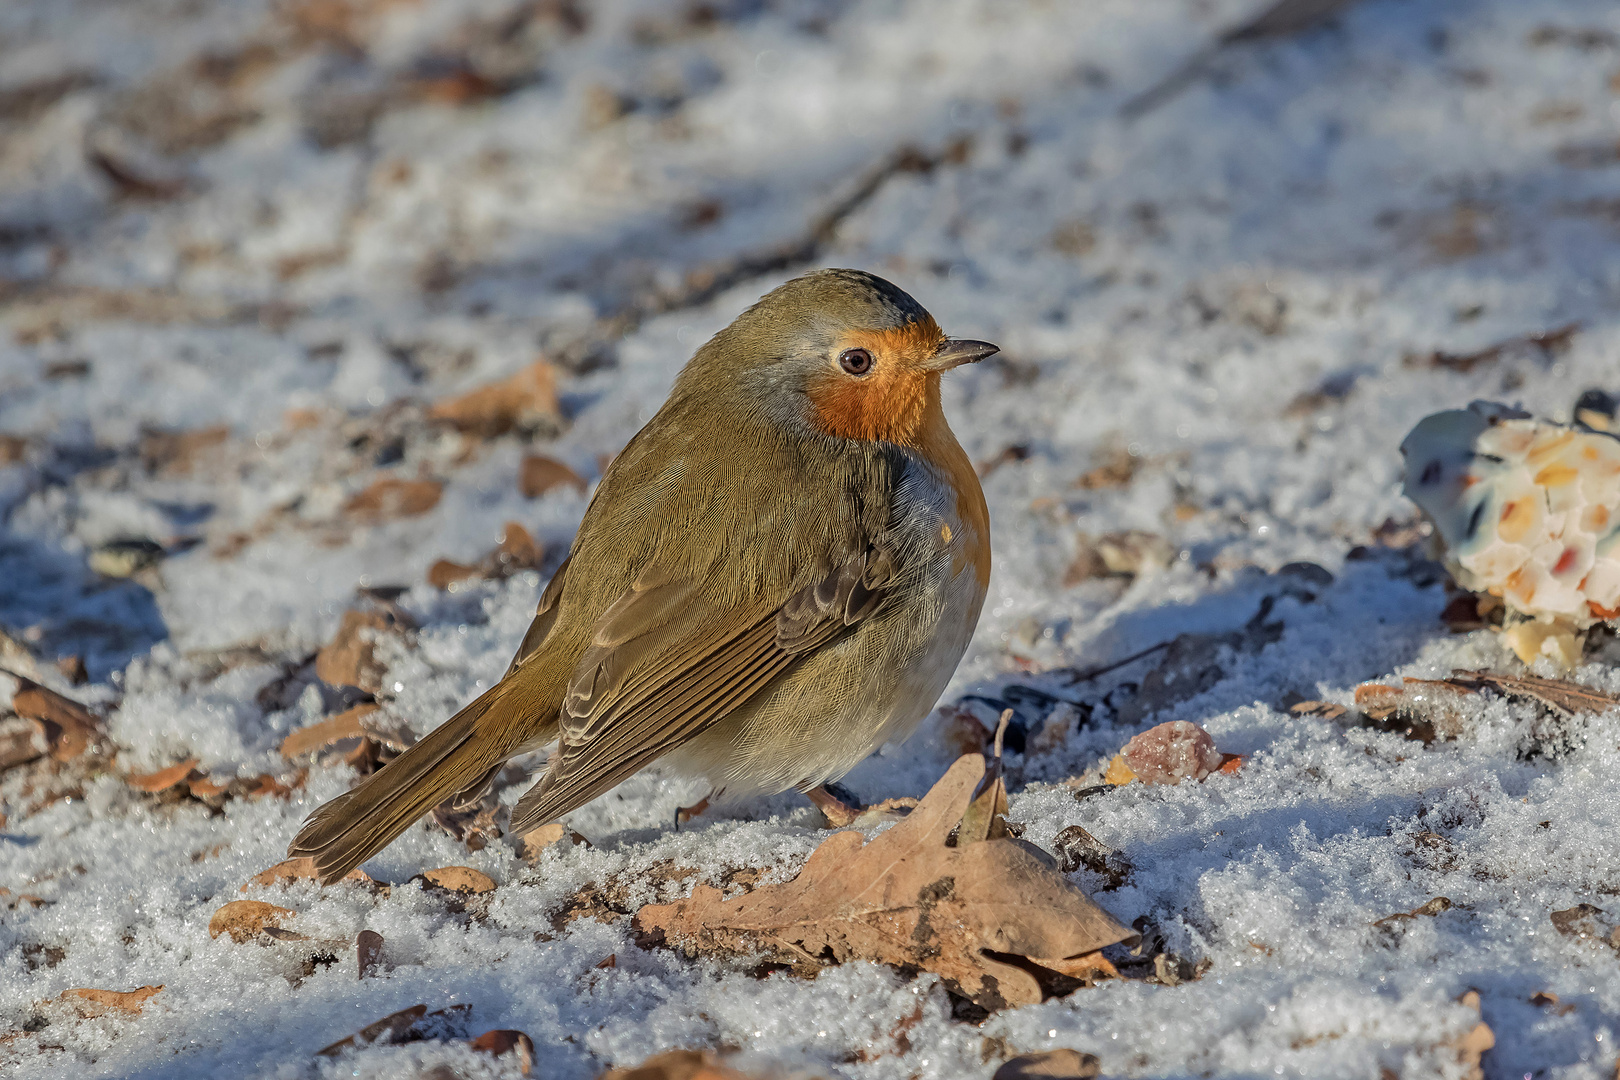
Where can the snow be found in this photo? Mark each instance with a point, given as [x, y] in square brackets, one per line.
[1239, 288]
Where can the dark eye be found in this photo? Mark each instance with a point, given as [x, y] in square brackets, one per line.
[855, 361]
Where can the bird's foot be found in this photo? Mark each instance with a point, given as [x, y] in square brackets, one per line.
[837, 804]
[683, 814]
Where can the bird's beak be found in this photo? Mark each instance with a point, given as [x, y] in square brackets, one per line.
[955, 353]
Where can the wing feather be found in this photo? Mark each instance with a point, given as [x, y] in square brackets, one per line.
[665, 663]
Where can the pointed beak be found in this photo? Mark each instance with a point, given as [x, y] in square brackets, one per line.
[955, 353]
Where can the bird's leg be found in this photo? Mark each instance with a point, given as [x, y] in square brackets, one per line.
[839, 809]
[683, 814]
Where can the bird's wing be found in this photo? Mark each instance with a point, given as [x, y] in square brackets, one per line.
[666, 662]
[544, 616]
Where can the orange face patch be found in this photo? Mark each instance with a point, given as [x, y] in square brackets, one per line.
[894, 402]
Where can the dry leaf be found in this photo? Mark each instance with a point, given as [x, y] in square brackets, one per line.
[611, 961]
[414, 1024]
[345, 725]
[535, 842]
[986, 815]
[175, 452]
[444, 573]
[70, 727]
[516, 551]
[392, 497]
[244, 919]
[1328, 710]
[349, 659]
[21, 741]
[204, 788]
[973, 913]
[1472, 1045]
[962, 731]
[678, 1065]
[461, 879]
[526, 402]
[368, 952]
[1050, 1065]
[299, 869]
[163, 779]
[503, 1041]
[1171, 752]
[1560, 695]
[538, 475]
[91, 1003]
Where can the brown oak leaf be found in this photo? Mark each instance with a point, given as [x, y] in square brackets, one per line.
[982, 915]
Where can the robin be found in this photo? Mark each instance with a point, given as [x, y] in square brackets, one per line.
[776, 576]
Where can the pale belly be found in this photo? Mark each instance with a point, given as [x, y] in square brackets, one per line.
[872, 687]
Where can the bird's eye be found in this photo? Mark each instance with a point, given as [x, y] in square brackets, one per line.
[855, 361]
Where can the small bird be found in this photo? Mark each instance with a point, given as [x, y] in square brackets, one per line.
[776, 576]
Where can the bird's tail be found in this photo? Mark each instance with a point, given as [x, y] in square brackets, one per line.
[456, 756]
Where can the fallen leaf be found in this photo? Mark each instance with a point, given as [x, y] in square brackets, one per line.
[204, 788]
[414, 1024]
[176, 452]
[1075, 847]
[368, 952]
[1050, 1065]
[393, 497]
[1326, 709]
[611, 961]
[538, 475]
[526, 401]
[349, 659]
[445, 573]
[535, 842]
[677, 1065]
[21, 741]
[516, 551]
[299, 869]
[1429, 908]
[265, 784]
[344, 725]
[504, 1041]
[92, 1003]
[163, 779]
[1560, 695]
[1171, 752]
[68, 726]
[962, 731]
[461, 879]
[974, 914]
[1119, 772]
[1579, 922]
[986, 815]
[1473, 1043]
[244, 919]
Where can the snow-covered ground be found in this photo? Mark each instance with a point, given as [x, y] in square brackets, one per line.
[309, 220]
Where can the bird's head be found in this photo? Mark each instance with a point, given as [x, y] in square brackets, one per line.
[843, 352]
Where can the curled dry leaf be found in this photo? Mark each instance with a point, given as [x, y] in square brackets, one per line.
[526, 401]
[538, 475]
[1050, 1065]
[505, 1041]
[1560, 695]
[517, 550]
[91, 1003]
[344, 725]
[69, 727]
[349, 659]
[545, 836]
[414, 1024]
[245, 919]
[163, 779]
[982, 915]
[393, 497]
[461, 879]
[678, 1065]
[299, 869]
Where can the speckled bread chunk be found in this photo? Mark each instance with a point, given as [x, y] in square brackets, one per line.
[1527, 510]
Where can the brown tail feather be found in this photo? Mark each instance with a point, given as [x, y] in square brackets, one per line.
[355, 826]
